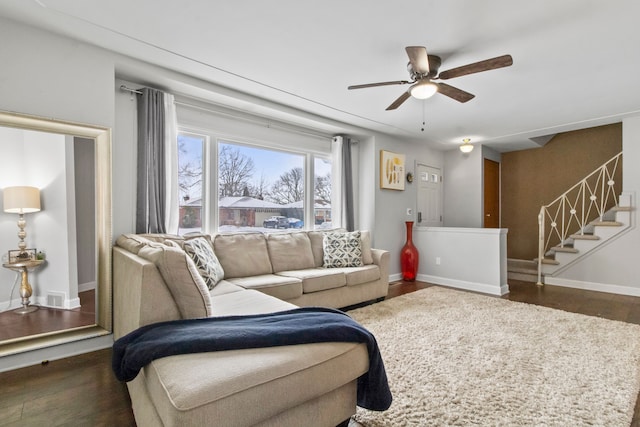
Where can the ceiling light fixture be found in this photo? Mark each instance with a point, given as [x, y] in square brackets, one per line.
[423, 89]
[466, 146]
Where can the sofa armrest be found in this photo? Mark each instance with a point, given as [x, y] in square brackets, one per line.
[381, 259]
[378, 255]
[140, 295]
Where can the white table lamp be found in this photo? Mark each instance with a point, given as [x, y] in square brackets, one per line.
[21, 200]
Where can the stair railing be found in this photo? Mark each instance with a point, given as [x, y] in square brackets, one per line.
[571, 212]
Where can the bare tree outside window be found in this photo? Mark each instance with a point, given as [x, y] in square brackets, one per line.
[235, 171]
[322, 190]
[289, 187]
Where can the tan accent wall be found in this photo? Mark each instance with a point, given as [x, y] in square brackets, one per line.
[532, 178]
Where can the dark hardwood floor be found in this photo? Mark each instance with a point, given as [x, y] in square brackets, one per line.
[82, 390]
[45, 319]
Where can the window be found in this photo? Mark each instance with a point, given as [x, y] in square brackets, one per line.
[322, 193]
[259, 188]
[190, 180]
[253, 188]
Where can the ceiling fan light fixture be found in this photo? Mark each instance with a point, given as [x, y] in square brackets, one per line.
[423, 89]
[466, 146]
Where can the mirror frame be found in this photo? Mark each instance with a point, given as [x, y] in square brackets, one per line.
[104, 321]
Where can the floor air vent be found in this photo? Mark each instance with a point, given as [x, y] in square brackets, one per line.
[55, 299]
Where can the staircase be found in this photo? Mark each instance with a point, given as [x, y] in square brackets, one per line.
[579, 221]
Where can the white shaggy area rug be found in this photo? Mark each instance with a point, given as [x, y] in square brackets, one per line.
[455, 358]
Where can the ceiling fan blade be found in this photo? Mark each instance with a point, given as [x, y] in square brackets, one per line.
[454, 93]
[418, 58]
[398, 102]
[396, 82]
[476, 67]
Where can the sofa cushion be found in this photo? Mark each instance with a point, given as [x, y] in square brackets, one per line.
[242, 254]
[223, 287]
[360, 275]
[246, 302]
[316, 238]
[271, 284]
[182, 278]
[201, 252]
[342, 249]
[289, 251]
[317, 279]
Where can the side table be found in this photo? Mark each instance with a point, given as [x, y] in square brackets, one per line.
[25, 288]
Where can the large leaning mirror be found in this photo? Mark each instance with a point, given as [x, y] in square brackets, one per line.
[55, 238]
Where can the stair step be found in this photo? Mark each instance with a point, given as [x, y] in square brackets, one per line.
[523, 270]
[566, 249]
[607, 223]
[622, 208]
[548, 261]
[584, 237]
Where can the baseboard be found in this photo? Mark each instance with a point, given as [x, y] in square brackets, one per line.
[10, 305]
[591, 286]
[83, 287]
[67, 304]
[484, 288]
[395, 277]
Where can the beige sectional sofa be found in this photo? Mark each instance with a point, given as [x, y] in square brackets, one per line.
[312, 384]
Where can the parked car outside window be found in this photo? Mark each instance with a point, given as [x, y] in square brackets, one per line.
[295, 223]
[276, 222]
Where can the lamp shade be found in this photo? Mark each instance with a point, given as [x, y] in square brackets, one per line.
[466, 147]
[423, 89]
[21, 199]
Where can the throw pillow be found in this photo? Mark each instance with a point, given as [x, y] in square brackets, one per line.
[205, 260]
[342, 249]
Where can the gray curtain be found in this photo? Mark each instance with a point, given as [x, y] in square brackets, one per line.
[347, 185]
[151, 195]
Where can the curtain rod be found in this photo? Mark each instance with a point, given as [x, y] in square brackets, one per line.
[128, 89]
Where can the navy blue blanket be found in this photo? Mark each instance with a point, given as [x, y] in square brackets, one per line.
[297, 326]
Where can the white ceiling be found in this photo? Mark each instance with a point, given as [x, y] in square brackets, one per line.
[575, 61]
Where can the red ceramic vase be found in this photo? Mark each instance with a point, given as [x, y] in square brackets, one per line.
[409, 256]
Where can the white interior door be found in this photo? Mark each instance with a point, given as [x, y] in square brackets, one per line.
[429, 196]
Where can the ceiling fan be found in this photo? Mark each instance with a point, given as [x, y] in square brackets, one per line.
[423, 69]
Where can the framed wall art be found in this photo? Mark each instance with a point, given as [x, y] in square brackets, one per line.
[392, 170]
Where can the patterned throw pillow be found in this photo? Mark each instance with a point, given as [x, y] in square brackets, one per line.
[205, 260]
[342, 249]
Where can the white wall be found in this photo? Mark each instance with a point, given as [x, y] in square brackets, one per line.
[390, 207]
[612, 268]
[474, 259]
[463, 188]
[40, 159]
[50, 161]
